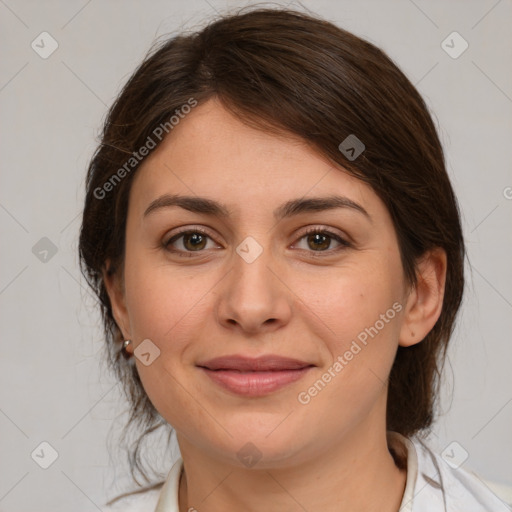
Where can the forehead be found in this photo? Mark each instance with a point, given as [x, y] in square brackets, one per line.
[212, 153]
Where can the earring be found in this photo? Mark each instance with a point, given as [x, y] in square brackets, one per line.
[124, 347]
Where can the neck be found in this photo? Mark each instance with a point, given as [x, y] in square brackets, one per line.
[357, 472]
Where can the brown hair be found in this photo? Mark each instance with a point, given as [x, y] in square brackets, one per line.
[283, 70]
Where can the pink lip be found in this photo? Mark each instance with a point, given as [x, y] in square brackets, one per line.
[254, 377]
[269, 362]
[255, 383]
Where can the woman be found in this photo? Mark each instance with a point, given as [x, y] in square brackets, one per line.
[277, 249]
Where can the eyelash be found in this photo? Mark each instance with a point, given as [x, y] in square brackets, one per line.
[311, 231]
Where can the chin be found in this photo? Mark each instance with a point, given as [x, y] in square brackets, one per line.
[255, 448]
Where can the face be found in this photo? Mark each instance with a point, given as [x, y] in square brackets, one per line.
[265, 268]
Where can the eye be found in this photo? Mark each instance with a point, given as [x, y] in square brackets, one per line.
[320, 240]
[191, 240]
[317, 240]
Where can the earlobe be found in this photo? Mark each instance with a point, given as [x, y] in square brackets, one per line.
[425, 300]
[115, 291]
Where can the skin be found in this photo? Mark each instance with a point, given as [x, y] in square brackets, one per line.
[294, 300]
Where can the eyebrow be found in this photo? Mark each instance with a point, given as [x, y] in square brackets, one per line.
[289, 209]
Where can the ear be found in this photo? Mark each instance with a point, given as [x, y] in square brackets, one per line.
[425, 300]
[115, 290]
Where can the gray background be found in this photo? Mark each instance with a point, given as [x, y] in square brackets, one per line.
[54, 386]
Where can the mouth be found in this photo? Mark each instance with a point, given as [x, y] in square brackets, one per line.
[254, 377]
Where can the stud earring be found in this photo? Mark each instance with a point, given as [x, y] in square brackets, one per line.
[124, 347]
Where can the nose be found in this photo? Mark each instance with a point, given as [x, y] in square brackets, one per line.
[253, 299]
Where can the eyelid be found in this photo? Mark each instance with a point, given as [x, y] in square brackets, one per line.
[342, 239]
[320, 228]
[188, 229]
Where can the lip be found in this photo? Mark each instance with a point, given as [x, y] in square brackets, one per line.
[254, 376]
[270, 362]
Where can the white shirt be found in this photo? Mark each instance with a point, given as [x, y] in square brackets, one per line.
[432, 486]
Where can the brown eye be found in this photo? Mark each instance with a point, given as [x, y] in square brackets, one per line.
[187, 242]
[321, 240]
[194, 241]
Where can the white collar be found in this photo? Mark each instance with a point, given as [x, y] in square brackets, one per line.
[168, 500]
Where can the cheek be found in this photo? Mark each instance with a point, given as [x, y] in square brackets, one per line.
[358, 316]
[160, 302]
[170, 310]
[358, 313]
[353, 298]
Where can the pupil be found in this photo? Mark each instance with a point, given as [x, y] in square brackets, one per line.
[195, 240]
[318, 237]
